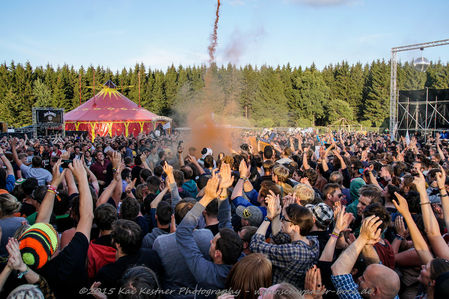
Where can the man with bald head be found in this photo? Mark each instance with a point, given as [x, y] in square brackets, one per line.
[378, 281]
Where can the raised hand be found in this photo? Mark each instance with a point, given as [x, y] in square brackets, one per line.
[313, 285]
[401, 204]
[168, 169]
[343, 220]
[116, 159]
[420, 182]
[370, 231]
[288, 200]
[131, 186]
[15, 261]
[57, 175]
[78, 170]
[441, 178]
[274, 205]
[400, 227]
[226, 176]
[211, 191]
[244, 170]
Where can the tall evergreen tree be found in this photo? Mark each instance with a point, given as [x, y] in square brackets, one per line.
[43, 94]
[376, 105]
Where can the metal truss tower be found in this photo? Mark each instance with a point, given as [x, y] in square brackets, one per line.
[393, 85]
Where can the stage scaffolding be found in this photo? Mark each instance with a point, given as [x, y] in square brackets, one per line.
[393, 76]
[425, 111]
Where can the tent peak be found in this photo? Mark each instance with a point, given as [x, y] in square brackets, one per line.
[110, 84]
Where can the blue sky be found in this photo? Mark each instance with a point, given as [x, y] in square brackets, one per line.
[118, 34]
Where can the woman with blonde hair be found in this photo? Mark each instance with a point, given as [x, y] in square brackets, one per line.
[248, 275]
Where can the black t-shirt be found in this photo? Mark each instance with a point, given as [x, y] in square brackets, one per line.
[111, 274]
[213, 228]
[323, 237]
[27, 209]
[67, 273]
[105, 240]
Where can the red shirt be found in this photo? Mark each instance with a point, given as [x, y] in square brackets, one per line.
[100, 170]
[385, 253]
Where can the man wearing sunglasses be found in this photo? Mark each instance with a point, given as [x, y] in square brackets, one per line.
[332, 194]
[290, 260]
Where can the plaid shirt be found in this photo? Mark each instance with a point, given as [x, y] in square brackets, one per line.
[346, 287]
[290, 261]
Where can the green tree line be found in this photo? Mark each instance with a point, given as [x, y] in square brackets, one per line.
[266, 95]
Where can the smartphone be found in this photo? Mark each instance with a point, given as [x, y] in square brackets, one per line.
[65, 163]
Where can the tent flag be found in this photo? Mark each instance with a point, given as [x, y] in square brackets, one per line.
[166, 126]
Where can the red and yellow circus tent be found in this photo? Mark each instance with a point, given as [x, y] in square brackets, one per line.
[111, 113]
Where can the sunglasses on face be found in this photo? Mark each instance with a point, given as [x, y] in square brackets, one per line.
[285, 219]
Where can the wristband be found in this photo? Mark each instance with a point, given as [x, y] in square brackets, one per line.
[267, 219]
[444, 195]
[335, 235]
[52, 189]
[244, 179]
[21, 274]
[425, 203]
[398, 236]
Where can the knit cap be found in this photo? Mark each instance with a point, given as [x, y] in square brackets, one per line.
[37, 244]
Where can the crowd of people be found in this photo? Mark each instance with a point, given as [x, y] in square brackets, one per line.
[299, 215]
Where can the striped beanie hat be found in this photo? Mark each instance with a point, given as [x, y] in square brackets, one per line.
[37, 244]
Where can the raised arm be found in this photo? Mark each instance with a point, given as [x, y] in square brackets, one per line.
[438, 244]
[92, 179]
[418, 241]
[369, 234]
[158, 198]
[9, 169]
[179, 155]
[86, 205]
[202, 269]
[118, 168]
[224, 208]
[324, 159]
[440, 152]
[195, 163]
[305, 162]
[143, 158]
[70, 180]
[46, 207]
[441, 179]
[342, 222]
[171, 184]
[107, 192]
[13, 143]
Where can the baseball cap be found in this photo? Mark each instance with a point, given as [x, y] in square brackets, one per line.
[251, 213]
